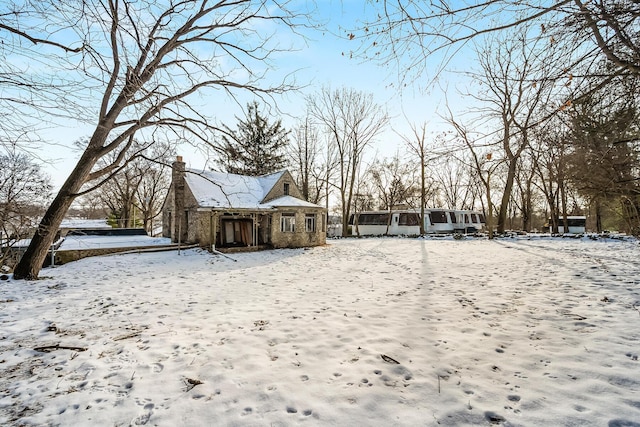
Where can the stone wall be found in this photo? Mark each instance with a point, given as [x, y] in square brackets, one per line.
[278, 188]
[300, 237]
[179, 213]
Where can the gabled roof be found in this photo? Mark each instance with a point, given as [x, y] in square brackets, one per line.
[226, 190]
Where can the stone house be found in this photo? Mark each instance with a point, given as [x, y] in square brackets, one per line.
[219, 210]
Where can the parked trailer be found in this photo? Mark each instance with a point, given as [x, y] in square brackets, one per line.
[469, 221]
[407, 222]
[576, 224]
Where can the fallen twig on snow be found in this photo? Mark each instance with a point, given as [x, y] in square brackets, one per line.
[124, 337]
[191, 383]
[50, 348]
[389, 359]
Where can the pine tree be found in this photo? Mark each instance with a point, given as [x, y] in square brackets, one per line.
[256, 147]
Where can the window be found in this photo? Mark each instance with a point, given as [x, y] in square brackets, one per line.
[373, 219]
[409, 219]
[310, 223]
[575, 222]
[286, 188]
[438, 217]
[288, 223]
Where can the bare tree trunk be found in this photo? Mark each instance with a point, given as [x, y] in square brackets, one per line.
[563, 199]
[33, 258]
[506, 196]
[599, 227]
[527, 209]
[489, 206]
[423, 191]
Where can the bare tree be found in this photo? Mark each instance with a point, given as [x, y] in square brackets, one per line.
[89, 206]
[524, 191]
[517, 87]
[29, 100]
[411, 33]
[305, 153]
[352, 120]
[550, 153]
[147, 61]
[24, 190]
[454, 179]
[119, 194]
[418, 146]
[152, 190]
[483, 163]
[392, 179]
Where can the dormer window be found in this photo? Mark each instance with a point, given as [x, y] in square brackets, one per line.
[286, 188]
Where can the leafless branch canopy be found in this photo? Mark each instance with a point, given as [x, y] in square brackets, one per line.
[423, 36]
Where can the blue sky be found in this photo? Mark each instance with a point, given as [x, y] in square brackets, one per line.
[324, 60]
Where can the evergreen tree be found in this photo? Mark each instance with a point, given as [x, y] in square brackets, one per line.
[605, 160]
[256, 147]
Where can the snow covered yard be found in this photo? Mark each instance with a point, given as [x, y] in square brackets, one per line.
[360, 332]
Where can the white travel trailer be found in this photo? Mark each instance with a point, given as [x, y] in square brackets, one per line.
[576, 224]
[469, 221]
[407, 222]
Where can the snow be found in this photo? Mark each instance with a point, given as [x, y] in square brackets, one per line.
[81, 223]
[101, 242]
[289, 201]
[217, 189]
[513, 332]
[224, 190]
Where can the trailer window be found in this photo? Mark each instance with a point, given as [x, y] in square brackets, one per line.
[409, 219]
[373, 219]
[576, 222]
[438, 217]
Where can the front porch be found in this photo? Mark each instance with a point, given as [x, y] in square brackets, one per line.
[241, 232]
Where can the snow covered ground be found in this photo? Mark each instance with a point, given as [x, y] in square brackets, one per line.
[513, 332]
[102, 242]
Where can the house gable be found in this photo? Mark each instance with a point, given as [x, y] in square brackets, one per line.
[285, 185]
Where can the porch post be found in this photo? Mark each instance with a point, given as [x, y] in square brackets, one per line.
[214, 229]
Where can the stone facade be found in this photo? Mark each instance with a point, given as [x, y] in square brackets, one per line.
[280, 218]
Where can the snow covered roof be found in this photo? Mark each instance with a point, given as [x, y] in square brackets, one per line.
[84, 223]
[289, 201]
[226, 190]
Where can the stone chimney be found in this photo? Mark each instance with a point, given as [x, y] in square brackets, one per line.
[178, 226]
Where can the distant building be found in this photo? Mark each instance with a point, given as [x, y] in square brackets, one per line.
[221, 210]
[576, 224]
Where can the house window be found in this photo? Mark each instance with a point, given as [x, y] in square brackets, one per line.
[286, 188]
[310, 223]
[288, 223]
